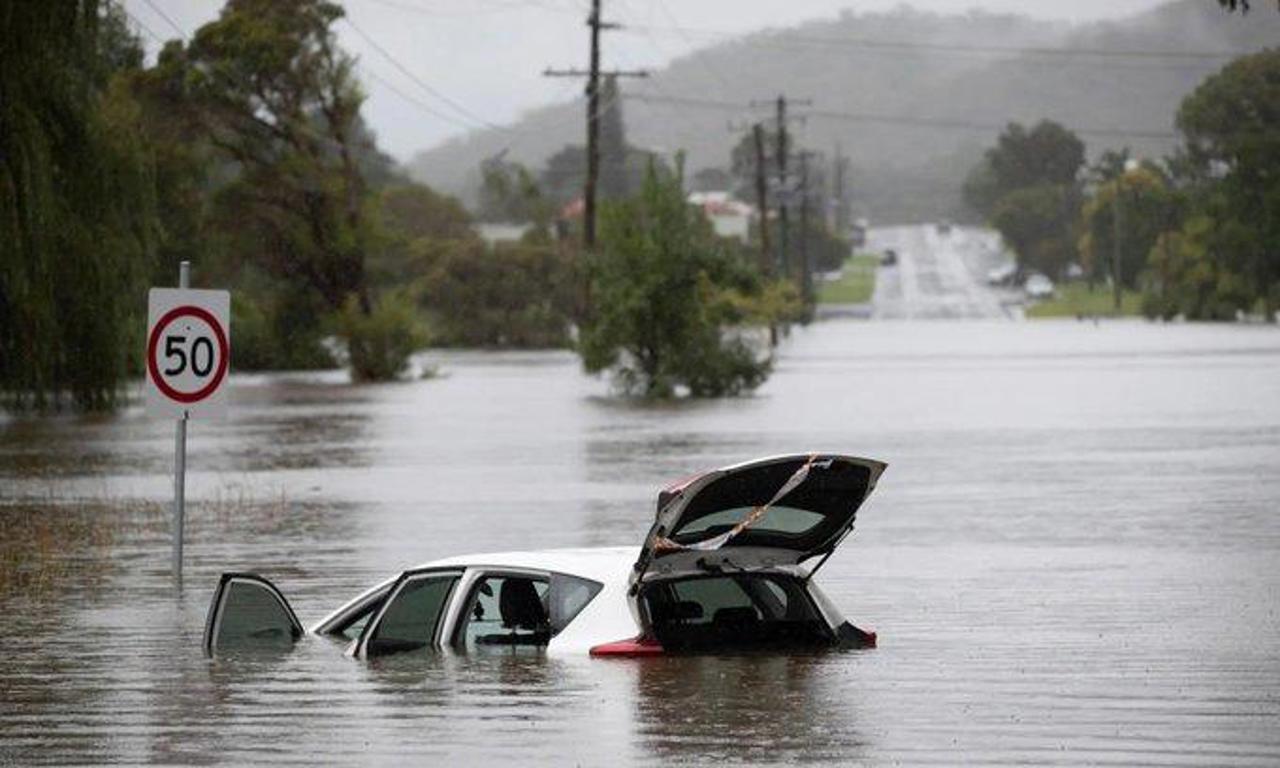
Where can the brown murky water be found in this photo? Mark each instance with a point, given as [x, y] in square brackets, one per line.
[1073, 558]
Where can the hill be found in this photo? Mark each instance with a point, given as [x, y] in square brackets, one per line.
[911, 97]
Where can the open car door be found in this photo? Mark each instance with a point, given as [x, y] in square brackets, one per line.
[412, 615]
[249, 613]
[778, 511]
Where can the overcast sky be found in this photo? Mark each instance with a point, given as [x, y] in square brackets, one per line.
[487, 56]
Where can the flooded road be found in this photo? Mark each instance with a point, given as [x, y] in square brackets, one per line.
[940, 274]
[1074, 557]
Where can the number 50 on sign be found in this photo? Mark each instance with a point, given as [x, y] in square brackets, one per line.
[188, 352]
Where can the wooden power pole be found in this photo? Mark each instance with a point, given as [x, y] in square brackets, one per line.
[593, 119]
[762, 201]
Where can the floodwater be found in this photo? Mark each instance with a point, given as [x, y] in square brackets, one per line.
[1074, 557]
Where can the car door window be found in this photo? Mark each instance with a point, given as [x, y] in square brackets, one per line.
[411, 616]
[249, 612]
[505, 610]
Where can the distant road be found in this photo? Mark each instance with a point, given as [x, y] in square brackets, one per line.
[939, 276]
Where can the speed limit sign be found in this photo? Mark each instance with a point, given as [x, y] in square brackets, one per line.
[188, 352]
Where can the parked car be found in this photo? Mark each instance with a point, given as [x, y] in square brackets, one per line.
[1038, 286]
[728, 564]
[1003, 274]
[943, 227]
[889, 258]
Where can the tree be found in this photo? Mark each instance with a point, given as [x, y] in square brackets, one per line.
[1147, 207]
[663, 288]
[1027, 186]
[1046, 154]
[510, 193]
[278, 96]
[502, 295]
[1038, 223]
[1231, 125]
[77, 210]
[1185, 278]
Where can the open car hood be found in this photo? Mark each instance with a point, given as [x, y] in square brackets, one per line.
[779, 511]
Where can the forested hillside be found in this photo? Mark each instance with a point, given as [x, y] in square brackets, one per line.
[911, 97]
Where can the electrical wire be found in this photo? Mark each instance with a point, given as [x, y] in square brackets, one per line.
[181, 33]
[921, 122]
[434, 92]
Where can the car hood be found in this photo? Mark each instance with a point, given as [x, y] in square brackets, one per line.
[773, 512]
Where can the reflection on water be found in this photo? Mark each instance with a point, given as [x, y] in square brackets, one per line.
[1072, 558]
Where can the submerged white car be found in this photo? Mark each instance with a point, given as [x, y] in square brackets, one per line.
[727, 565]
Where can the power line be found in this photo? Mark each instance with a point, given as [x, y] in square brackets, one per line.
[922, 122]
[181, 33]
[138, 23]
[425, 107]
[462, 110]
[763, 38]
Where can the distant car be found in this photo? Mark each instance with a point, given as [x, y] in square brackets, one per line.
[944, 227]
[727, 565]
[1003, 274]
[1038, 286]
[889, 258]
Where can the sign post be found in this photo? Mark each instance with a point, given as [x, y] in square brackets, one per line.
[187, 357]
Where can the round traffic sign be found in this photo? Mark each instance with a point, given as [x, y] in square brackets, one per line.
[190, 361]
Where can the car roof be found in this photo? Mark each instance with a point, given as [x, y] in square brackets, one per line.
[601, 564]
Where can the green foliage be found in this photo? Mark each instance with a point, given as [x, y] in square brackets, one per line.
[1027, 188]
[1038, 223]
[1232, 127]
[275, 328]
[503, 295]
[509, 193]
[1185, 278]
[278, 97]
[661, 288]
[1147, 207]
[380, 341]
[77, 211]
[1048, 154]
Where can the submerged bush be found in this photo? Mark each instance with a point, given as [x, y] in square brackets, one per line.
[661, 301]
[381, 340]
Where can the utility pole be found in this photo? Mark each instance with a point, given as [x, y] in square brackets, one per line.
[806, 276]
[840, 218]
[762, 201]
[780, 104]
[1115, 242]
[593, 119]
[784, 262]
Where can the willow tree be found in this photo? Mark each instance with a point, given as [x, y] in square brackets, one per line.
[76, 209]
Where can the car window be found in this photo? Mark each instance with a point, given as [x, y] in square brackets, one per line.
[716, 595]
[505, 610]
[777, 519]
[251, 613]
[567, 597]
[411, 618]
[355, 625]
[736, 611]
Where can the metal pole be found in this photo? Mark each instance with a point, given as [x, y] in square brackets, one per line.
[1116, 252]
[180, 463]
